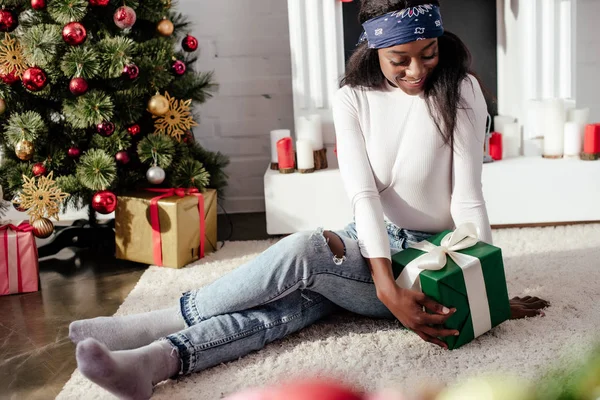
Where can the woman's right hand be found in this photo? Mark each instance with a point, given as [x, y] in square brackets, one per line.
[408, 306]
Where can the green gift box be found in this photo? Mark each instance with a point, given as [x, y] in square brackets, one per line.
[458, 271]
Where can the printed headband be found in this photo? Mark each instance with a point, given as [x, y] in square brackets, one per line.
[404, 26]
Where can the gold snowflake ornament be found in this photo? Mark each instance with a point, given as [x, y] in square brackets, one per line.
[11, 56]
[177, 121]
[42, 198]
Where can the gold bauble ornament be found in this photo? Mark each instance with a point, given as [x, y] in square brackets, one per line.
[42, 228]
[2, 106]
[158, 105]
[24, 150]
[165, 27]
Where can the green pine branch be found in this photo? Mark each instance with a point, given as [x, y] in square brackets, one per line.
[215, 163]
[198, 87]
[155, 63]
[41, 43]
[120, 140]
[28, 125]
[153, 10]
[96, 170]
[88, 110]
[32, 18]
[11, 176]
[13, 3]
[190, 173]
[81, 61]
[130, 105]
[181, 24]
[65, 11]
[156, 148]
[70, 184]
[115, 53]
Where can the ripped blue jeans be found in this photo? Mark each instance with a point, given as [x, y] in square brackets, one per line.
[291, 285]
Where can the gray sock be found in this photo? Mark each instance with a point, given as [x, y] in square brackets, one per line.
[130, 331]
[127, 374]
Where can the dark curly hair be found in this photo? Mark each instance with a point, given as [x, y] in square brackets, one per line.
[442, 89]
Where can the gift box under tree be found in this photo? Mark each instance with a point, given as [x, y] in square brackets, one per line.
[458, 271]
[166, 227]
[19, 267]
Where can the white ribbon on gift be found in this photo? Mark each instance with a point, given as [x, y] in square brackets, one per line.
[434, 259]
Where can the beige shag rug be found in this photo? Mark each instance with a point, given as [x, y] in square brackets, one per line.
[560, 264]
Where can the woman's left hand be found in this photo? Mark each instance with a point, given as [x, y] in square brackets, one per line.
[521, 307]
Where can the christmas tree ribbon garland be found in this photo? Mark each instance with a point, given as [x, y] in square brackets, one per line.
[156, 236]
[435, 258]
[14, 246]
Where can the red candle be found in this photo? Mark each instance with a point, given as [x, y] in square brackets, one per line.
[591, 143]
[285, 153]
[496, 146]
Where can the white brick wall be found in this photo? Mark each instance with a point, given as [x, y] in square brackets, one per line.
[588, 57]
[246, 43]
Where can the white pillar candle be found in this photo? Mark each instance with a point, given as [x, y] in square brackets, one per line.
[303, 128]
[277, 135]
[316, 131]
[580, 116]
[511, 140]
[573, 139]
[310, 128]
[500, 121]
[534, 124]
[554, 127]
[304, 154]
[533, 147]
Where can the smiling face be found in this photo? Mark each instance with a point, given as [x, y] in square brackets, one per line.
[408, 66]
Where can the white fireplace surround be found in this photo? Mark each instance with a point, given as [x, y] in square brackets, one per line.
[536, 60]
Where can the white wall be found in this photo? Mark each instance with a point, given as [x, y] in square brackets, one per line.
[246, 43]
[587, 65]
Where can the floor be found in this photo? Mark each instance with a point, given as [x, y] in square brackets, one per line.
[36, 356]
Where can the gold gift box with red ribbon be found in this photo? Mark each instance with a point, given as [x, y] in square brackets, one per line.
[164, 226]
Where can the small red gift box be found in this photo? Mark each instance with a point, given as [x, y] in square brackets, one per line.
[19, 267]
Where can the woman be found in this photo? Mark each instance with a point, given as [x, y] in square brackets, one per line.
[410, 124]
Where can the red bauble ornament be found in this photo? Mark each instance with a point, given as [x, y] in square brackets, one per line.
[122, 157]
[38, 4]
[34, 79]
[124, 17]
[134, 130]
[39, 169]
[10, 78]
[8, 21]
[74, 33]
[74, 152]
[178, 67]
[78, 86]
[99, 3]
[104, 202]
[131, 71]
[105, 128]
[189, 43]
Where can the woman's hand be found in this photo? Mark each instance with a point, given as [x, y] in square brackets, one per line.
[407, 306]
[521, 307]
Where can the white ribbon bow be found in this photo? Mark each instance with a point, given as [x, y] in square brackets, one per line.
[434, 259]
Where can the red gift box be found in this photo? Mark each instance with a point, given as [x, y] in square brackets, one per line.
[19, 267]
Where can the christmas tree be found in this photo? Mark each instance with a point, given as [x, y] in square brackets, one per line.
[96, 97]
